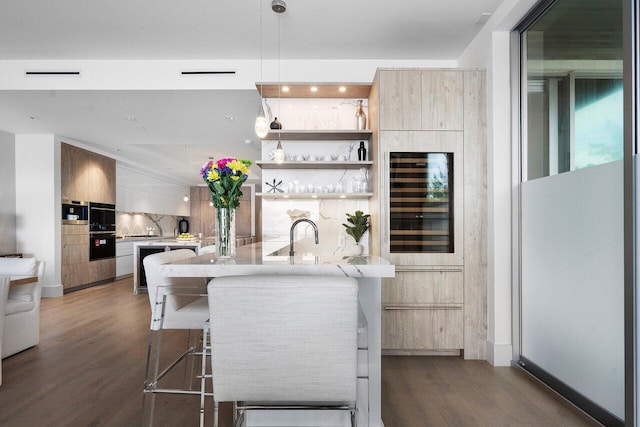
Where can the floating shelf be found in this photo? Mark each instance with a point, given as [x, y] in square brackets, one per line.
[314, 165]
[310, 196]
[323, 90]
[318, 135]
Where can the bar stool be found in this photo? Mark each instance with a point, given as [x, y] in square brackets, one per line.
[176, 303]
[284, 342]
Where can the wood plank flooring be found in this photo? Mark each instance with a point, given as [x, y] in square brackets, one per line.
[88, 370]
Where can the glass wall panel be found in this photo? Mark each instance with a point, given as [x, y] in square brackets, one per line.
[571, 204]
[572, 96]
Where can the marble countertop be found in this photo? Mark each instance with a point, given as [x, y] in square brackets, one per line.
[166, 241]
[250, 260]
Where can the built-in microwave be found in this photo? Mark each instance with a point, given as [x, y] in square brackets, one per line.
[75, 212]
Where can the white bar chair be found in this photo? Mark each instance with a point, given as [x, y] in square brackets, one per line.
[176, 303]
[284, 342]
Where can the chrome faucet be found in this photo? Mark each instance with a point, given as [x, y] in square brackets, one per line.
[315, 230]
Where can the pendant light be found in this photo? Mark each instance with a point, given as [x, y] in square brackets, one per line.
[279, 7]
[186, 197]
[261, 125]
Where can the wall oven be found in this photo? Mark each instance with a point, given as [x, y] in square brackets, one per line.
[102, 231]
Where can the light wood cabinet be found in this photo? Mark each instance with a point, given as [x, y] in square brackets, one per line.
[203, 215]
[442, 100]
[400, 100]
[87, 176]
[437, 301]
[102, 269]
[423, 311]
[75, 255]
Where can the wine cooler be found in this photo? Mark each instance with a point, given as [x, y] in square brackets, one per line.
[420, 202]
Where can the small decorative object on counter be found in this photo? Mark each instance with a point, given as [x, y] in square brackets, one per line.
[183, 226]
[361, 118]
[224, 179]
[362, 152]
[275, 124]
[359, 224]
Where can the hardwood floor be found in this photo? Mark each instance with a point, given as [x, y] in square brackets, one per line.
[88, 370]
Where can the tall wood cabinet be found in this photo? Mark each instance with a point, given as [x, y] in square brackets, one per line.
[431, 179]
[88, 177]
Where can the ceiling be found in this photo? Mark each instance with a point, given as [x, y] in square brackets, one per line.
[177, 130]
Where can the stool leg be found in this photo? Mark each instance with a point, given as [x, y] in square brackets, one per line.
[203, 371]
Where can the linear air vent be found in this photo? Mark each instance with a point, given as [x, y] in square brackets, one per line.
[208, 72]
[52, 73]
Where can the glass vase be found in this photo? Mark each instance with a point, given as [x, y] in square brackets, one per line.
[225, 233]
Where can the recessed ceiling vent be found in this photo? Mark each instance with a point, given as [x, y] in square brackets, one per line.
[207, 72]
[52, 73]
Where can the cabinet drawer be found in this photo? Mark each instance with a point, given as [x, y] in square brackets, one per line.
[422, 327]
[424, 287]
[102, 270]
[124, 248]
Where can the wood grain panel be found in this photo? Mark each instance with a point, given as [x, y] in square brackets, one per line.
[102, 269]
[475, 215]
[442, 100]
[400, 100]
[414, 287]
[425, 328]
[74, 255]
[87, 176]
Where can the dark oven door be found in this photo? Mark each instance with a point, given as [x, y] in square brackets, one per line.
[102, 217]
[102, 246]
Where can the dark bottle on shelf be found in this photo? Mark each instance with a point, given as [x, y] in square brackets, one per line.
[362, 152]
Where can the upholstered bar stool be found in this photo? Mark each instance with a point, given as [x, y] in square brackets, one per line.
[176, 303]
[284, 342]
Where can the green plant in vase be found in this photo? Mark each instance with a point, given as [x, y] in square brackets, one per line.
[358, 225]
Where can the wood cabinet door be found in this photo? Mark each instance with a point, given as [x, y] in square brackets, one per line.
[422, 328]
[442, 100]
[74, 173]
[400, 100]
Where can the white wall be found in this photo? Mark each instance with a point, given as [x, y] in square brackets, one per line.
[7, 193]
[491, 50]
[37, 162]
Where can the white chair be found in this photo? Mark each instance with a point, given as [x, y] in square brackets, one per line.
[284, 342]
[22, 315]
[4, 292]
[176, 303]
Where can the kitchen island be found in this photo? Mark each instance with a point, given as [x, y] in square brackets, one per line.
[144, 247]
[368, 270]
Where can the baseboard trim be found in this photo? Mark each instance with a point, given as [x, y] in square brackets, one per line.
[421, 352]
[499, 354]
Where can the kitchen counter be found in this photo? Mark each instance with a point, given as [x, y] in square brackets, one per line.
[250, 260]
[368, 270]
[148, 246]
